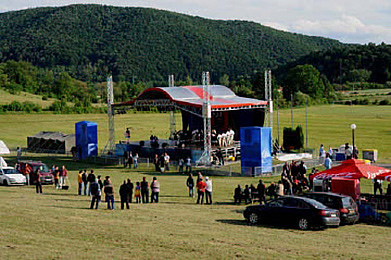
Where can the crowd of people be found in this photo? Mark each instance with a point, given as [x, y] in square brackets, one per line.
[293, 181]
[94, 186]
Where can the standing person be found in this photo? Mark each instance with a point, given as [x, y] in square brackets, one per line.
[145, 191]
[99, 178]
[261, 192]
[199, 177]
[56, 177]
[246, 194]
[188, 165]
[38, 184]
[126, 158]
[166, 162]
[64, 176]
[124, 194]
[90, 178]
[330, 152]
[208, 190]
[109, 192]
[127, 135]
[180, 164]
[27, 170]
[18, 153]
[219, 155]
[155, 189]
[80, 182]
[85, 181]
[156, 163]
[137, 192]
[322, 154]
[135, 161]
[130, 186]
[238, 195]
[130, 160]
[201, 191]
[327, 162]
[377, 186]
[348, 152]
[96, 194]
[190, 185]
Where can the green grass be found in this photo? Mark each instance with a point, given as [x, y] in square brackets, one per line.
[329, 125]
[59, 225]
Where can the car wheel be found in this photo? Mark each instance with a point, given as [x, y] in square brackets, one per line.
[303, 224]
[253, 219]
[5, 183]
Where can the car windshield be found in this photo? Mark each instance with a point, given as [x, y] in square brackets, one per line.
[9, 171]
[347, 202]
[317, 204]
[42, 168]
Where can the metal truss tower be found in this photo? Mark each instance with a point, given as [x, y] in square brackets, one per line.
[110, 146]
[171, 84]
[268, 98]
[207, 115]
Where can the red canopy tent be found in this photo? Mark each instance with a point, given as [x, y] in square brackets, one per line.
[384, 176]
[352, 169]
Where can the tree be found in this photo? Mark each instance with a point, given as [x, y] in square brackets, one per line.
[304, 78]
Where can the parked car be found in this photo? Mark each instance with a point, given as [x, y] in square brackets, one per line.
[348, 209]
[9, 176]
[300, 212]
[46, 176]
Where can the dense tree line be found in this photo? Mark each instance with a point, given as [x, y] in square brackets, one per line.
[362, 64]
[139, 44]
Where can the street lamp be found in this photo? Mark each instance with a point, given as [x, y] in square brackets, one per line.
[353, 127]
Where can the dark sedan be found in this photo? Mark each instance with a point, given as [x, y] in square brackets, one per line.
[348, 209]
[303, 213]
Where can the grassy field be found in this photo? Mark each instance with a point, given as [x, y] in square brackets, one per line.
[59, 225]
[329, 125]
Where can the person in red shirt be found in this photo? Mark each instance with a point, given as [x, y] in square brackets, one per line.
[201, 191]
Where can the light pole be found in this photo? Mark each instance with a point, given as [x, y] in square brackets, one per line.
[353, 127]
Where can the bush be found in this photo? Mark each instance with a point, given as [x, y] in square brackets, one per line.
[44, 97]
[384, 102]
[15, 106]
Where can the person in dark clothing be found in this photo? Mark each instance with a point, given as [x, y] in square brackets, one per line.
[85, 182]
[238, 195]
[190, 185]
[145, 191]
[96, 194]
[156, 163]
[126, 158]
[109, 192]
[246, 195]
[271, 191]
[261, 192]
[124, 194]
[377, 186]
[389, 189]
[38, 184]
[90, 178]
[130, 186]
[100, 186]
[253, 192]
[219, 155]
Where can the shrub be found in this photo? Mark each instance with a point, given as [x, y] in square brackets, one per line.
[384, 102]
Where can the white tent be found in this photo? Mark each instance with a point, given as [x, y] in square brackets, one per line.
[3, 148]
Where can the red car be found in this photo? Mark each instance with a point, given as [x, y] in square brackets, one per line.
[46, 176]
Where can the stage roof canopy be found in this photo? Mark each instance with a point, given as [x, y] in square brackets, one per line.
[221, 97]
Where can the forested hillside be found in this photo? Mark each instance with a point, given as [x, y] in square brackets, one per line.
[91, 41]
[352, 63]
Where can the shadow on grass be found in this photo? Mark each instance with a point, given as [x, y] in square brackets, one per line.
[233, 222]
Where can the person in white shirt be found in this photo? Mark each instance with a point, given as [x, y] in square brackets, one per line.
[220, 139]
[224, 139]
[188, 165]
[166, 162]
[208, 190]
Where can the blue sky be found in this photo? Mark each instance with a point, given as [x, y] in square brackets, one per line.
[350, 21]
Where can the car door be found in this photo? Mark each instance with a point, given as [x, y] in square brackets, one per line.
[1, 176]
[276, 211]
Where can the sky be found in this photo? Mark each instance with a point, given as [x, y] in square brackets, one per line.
[350, 21]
